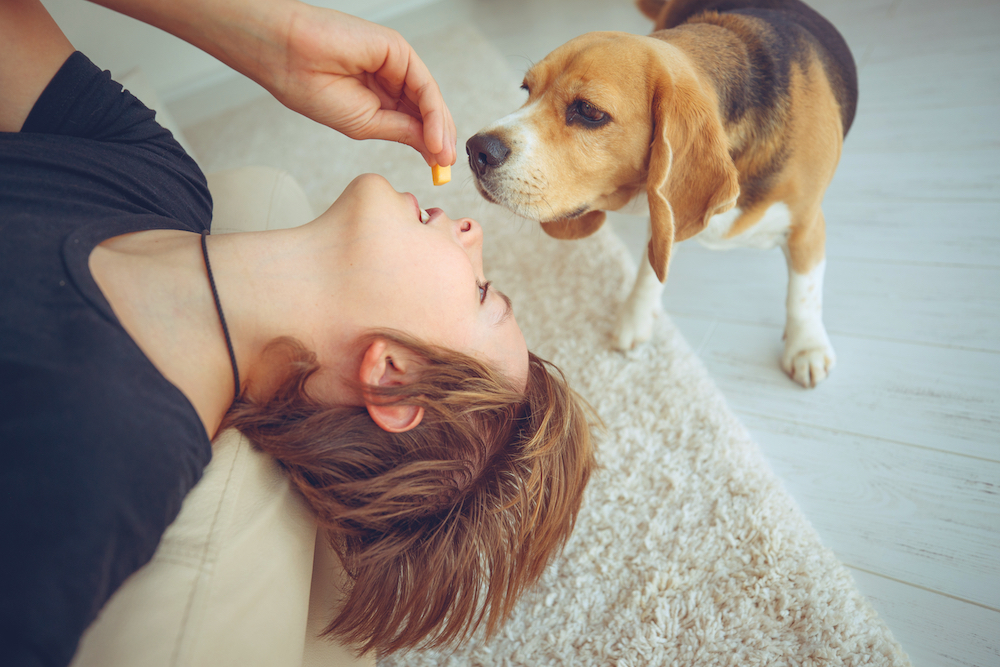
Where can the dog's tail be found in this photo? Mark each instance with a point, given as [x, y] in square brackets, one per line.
[651, 8]
[670, 13]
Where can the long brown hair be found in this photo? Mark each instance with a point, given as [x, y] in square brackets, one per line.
[442, 527]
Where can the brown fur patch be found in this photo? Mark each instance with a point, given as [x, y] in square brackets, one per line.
[575, 228]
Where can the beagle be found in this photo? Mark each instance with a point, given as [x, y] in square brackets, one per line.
[726, 122]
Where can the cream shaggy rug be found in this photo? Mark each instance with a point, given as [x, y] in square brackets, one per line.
[688, 551]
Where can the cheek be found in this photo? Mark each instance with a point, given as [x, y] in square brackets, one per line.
[582, 164]
[437, 290]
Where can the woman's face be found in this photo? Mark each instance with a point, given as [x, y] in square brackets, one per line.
[423, 274]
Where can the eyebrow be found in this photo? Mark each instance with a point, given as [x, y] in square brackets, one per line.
[508, 308]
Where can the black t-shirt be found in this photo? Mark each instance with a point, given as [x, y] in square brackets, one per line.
[98, 448]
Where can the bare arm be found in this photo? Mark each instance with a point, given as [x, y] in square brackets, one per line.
[32, 49]
[352, 75]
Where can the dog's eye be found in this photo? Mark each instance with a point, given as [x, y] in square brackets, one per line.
[586, 113]
[590, 112]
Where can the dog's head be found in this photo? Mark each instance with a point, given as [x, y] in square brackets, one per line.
[609, 115]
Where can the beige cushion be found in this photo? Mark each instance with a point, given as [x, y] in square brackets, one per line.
[255, 199]
[241, 577]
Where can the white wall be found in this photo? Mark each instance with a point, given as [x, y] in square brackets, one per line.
[174, 68]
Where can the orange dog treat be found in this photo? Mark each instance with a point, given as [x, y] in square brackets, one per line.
[441, 175]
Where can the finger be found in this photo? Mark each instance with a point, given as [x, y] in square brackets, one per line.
[448, 153]
[388, 101]
[404, 83]
[399, 127]
[441, 124]
[370, 116]
[393, 70]
[421, 88]
[452, 137]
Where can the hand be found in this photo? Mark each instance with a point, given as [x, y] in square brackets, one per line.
[352, 75]
[361, 79]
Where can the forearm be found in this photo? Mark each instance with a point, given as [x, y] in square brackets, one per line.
[355, 76]
[247, 35]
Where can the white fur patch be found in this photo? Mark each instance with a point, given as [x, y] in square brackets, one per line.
[805, 294]
[635, 319]
[808, 357]
[770, 231]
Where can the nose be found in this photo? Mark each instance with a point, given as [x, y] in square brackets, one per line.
[486, 152]
[470, 234]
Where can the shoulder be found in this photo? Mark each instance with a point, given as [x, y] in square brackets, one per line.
[87, 135]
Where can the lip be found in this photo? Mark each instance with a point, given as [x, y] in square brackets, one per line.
[416, 204]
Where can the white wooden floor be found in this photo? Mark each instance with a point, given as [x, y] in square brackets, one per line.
[896, 458]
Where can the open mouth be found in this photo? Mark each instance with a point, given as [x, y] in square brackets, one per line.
[424, 215]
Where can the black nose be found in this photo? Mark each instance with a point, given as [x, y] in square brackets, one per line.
[486, 151]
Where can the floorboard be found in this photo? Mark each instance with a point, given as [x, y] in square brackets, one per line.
[949, 233]
[909, 513]
[934, 397]
[935, 630]
[896, 300]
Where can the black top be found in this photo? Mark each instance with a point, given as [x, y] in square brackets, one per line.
[98, 448]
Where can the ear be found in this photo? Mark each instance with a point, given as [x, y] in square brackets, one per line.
[575, 228]
[691, 176]
[385, 364]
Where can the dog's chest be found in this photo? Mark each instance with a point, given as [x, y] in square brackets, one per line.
[771, 230]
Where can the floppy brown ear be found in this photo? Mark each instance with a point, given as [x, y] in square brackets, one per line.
[691, 176]
[575, 228]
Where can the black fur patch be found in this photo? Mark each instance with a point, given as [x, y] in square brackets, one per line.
[795, 28]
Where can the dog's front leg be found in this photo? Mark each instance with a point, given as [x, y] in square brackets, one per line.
[808, 357]
[635, 319]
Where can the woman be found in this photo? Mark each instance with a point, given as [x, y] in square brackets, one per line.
[365, 350]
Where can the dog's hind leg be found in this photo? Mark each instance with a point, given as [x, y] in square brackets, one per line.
[635, 319]
[808, 356]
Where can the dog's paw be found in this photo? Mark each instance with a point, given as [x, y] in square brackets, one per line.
[634, 327]
[809, 356]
